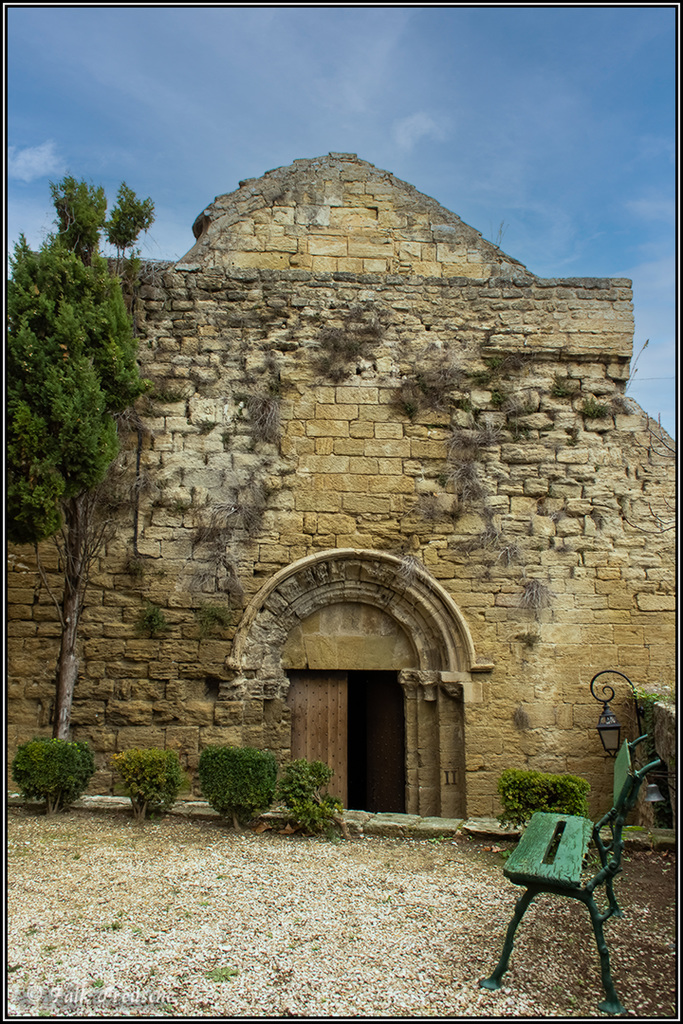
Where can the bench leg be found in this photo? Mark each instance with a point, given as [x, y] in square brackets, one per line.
[523, 902]
[614, 906]
[611, 1004]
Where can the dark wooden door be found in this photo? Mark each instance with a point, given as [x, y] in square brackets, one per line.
[319, 705]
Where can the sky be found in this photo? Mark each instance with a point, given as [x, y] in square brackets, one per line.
[551, 130]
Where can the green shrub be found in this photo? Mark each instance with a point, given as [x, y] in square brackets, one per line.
[152, 778]
[210, 617]
[57, 771]
[594, 410]
[524, 792]
[300, 789]
[151, 620]
[238, 782]
[564, 387]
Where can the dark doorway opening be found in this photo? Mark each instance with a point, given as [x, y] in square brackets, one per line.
[376, 742]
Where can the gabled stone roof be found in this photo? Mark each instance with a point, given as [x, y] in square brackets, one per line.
[337, 213]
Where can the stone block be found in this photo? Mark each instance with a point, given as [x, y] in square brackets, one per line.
[262, 260]
[630, 424]
[515, 454]
[386, 431]
[426, 268]
[359, 396]
[328, 246]
[327, 428]
[335, 523]
[312, 500]
[348, 446]
[312, 215]
[391, 467]
[220, 735]
[389, 448]
[345, 264]
[325, 464]
[324, 264]
[102, 740]
[124, 713]
[324, 446]
[366, 504]
[350, 220]
[184, 739]
[364, 466]
[138, 736]
[228, 713]
[656, 602]
[368, 248]
[336, 411]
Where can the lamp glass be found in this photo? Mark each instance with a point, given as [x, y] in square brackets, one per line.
[609, 730]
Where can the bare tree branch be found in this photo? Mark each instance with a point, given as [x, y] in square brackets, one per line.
[43, 577]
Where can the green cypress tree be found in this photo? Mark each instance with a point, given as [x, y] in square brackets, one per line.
[81, 209]
[129, 217]
[71, 367]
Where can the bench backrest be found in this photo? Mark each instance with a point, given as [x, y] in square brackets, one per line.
[627, 782]
[623, 778]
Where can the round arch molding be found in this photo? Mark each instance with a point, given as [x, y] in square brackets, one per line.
[418, 604]
[440, 677]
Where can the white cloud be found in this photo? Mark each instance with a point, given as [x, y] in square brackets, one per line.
[653, 208]
[34, 162]
[409, 130]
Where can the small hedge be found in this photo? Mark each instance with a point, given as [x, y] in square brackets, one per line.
[300, 789]
[524, 792]
[238, 782]
[56, 771]
[152, 779]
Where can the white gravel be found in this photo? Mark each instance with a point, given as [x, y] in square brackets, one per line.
[189, 919]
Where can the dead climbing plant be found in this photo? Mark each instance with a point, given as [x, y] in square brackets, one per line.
[352, 338]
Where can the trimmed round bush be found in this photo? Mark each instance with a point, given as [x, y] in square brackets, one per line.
[524, 792]
[152, 778]
[56, 771]
[302, 790]
[238, 782]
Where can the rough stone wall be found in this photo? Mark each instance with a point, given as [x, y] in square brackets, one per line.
[340, 214]
[666, 745]
[341, 363]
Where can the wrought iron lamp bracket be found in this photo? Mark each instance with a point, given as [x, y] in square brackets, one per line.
[608, 717]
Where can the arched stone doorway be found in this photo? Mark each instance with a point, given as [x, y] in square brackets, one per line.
[344, 632]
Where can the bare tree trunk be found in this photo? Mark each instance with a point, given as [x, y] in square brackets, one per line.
[75, 581]
[67, 667]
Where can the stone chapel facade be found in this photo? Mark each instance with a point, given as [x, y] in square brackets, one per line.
[388, 501]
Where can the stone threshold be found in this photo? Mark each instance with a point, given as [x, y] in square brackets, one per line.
[364, 823]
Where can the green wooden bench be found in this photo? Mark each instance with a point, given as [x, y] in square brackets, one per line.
[549, 859]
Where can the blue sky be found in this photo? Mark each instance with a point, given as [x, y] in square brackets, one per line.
[551, 126]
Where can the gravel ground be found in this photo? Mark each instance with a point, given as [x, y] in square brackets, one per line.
[189, 919]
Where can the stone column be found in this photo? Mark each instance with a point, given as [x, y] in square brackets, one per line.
[410, 685]
[451, 750]
[434, 744]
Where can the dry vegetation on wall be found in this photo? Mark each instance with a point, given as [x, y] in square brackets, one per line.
[303, 401]
[484, 400]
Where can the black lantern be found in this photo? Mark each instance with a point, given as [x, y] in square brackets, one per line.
[609, 727]
[609, 730]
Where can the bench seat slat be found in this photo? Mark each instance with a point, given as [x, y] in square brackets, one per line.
[526, 867]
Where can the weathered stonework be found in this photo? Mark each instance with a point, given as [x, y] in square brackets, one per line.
[383, 445]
